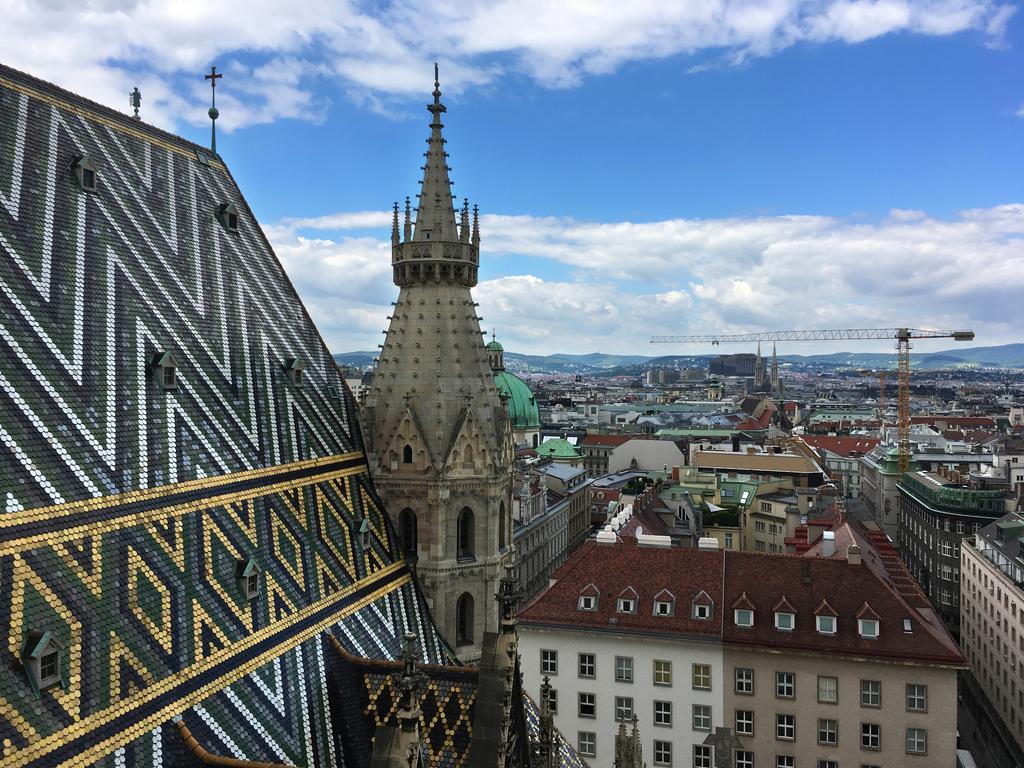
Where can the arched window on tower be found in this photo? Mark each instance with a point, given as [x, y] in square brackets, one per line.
[464, 548]
[407, 454]
[464, 619]
[407, 529]
[501, 525]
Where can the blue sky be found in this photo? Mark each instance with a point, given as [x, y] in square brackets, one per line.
[721, 166]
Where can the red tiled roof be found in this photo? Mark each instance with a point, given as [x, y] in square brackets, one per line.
[806, 585]
[613, 440]
[841, 446]
[685, 573]
[806, 582]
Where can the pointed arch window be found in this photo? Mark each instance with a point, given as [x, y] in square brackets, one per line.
[407, 454]
[408, 527]
[501, 525]
[465, 534]
[464, 619]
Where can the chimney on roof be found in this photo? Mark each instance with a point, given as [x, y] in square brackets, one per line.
[828, 543]
[853, 555]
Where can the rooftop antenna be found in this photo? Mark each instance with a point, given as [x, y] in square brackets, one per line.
[135, 100]
[214, 113]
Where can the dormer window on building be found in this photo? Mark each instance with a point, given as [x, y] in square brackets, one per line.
[703, 606]
[41, 656]
[825, 618]
[85, 172]
[785, 616]
[743, 611]
[227, 215]
[165, 370]
[627, 601]
[294, 370]
[867, 622]
[588, 598]
[364, 534]
[664, 603]
[248, 575]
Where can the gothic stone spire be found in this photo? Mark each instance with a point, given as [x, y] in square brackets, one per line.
[435, 218]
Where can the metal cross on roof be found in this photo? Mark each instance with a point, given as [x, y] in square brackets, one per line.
[213, 77]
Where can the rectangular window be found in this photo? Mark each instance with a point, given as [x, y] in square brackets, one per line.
[701, 717]
[867, 628]
[553, 701]
[828, 764]
[917, 741]
[662, 672]
[587, 741]
[743, 617]
[826, 625]
[785, 685]
[662, 752]
[663, 713]
[548, 662]
[624, 669]
[662, 607]
[759, 526]
[701, 611]
[624, 708]
[828, 690]
[744, 758]
[48, 666]
[744, 722]
[587, 705]
[871, 693]
[785, 727]
[785, 761]
[828, 732]
[784, 621]
[702, 677]
[588, 665]
[917, 698]
[744, 681]
[701, 757]
[870, 736]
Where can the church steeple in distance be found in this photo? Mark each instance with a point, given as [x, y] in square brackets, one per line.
[438, 436]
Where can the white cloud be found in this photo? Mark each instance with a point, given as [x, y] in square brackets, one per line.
[278, 54]
[628, 281]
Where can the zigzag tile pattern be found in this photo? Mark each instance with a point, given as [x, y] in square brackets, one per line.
[126, 508]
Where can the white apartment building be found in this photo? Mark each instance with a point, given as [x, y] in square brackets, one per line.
[992, 616]
[629, 642]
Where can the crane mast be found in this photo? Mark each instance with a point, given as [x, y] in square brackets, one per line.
[901, 336]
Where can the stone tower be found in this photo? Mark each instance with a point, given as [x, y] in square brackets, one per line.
[437, 432]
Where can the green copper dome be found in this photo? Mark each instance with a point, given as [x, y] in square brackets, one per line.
[522, 405]
[495, 346]
[558, 448]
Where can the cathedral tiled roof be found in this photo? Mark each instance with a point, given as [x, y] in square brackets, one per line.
[157, 450]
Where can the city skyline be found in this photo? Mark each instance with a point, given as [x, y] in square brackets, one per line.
[633, 178]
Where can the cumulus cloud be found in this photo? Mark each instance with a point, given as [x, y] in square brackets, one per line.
[379, 52]
[627, 281]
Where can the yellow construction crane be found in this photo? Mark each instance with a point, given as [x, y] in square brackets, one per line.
[902, 337]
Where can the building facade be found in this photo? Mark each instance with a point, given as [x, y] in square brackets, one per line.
[992, 617]
[879, 476]
[790, 661]
[936, 513]
[437, 431]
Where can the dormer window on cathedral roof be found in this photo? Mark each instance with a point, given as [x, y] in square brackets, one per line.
[41, 656]
[227, 215]
[295, 370]
[165, 370]
[84, 170]
[247, 572]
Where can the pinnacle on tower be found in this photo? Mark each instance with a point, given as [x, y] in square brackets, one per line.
[435, 217]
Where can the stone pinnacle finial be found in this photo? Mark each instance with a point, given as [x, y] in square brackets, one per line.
[394, 226]
[408, 219]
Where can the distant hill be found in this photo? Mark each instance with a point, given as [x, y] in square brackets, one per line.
[601, 364]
